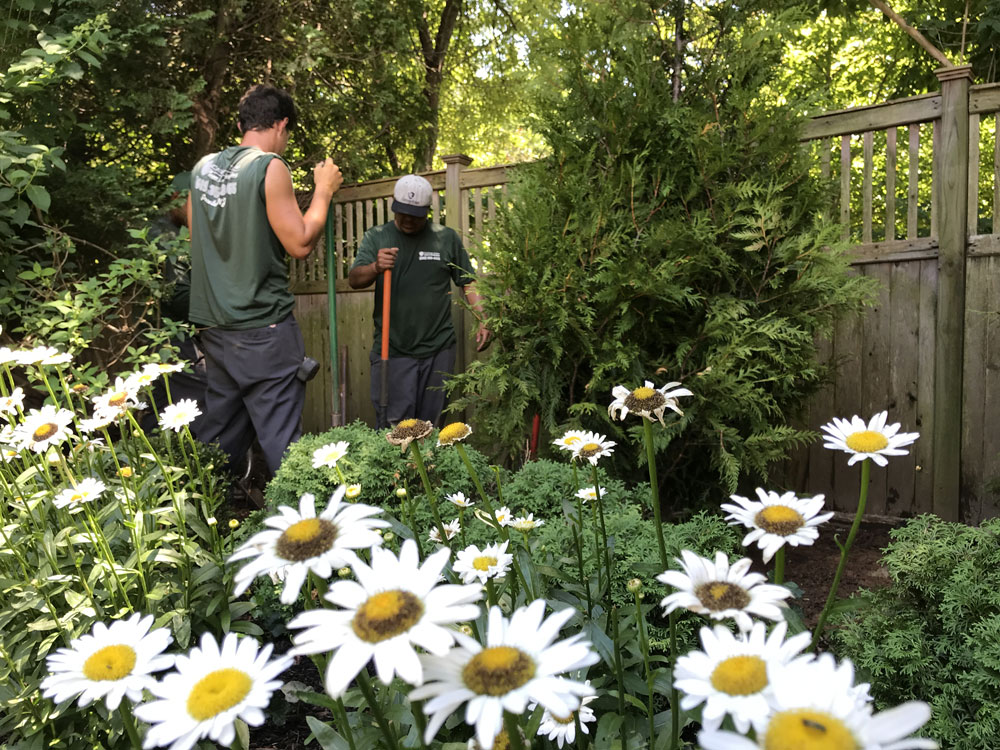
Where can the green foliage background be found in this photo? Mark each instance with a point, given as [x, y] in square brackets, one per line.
[934, 634]
[669, 242]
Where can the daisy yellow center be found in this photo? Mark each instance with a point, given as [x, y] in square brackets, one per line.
[353, 491]
[118, 398]
[573, 440]
[498, 670]
[76, 496]
[110, 663]
[719, 595]
[407, 424]
[386, 615]
[79, 388]
[452, 432]
[740, 675]
[804, 729]
[307, 538]
[590, 449]
[780, 520]
[868, 441]
[125, 471]
[502, 742]
[44, 432]
[645, 400]
[484, 562]
[216, 692]
[562, 719]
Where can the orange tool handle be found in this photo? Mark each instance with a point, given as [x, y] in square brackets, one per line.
[386, 286]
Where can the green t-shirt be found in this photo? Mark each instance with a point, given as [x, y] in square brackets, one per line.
[426, 265]
[239, 275]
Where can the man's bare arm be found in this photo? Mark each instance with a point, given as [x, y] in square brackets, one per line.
[476, 303]
[298, 232]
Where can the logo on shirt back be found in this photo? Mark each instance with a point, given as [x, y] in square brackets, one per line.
[214, 184]
[425, 255]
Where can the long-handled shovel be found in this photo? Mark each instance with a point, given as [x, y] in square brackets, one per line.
[384, 396]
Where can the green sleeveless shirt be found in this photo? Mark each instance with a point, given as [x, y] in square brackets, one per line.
[239, 276]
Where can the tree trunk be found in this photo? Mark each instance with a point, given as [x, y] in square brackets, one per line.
[433, 54]
[215, 69]
[678, 50]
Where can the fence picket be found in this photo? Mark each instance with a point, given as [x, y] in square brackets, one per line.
[890, 184]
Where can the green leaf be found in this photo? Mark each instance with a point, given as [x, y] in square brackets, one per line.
[327, 736]
[39, 196]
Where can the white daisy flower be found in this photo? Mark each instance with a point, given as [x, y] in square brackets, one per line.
[814, 706]
[298, 542]
[109, 663]
[562, 729]
[451, 529]
[593, 446]
[526, 523]
[8, 454]
[777, 520]
[589, 493]
[122, 397]
[353, 491]
[571, 440]
[733, 674]
[459, 499]
[12, 404]
[99, 421]
[492, 561]
[874, 440]
[395, 604]
[520, 664]
[503, 515]
[164, 368]
[722, 591]
[86, 491]
[329, 454]
[176, 416]
[646, 401]
[211, 688]
[143, 378]
[39, 355]
[8, 356]
[42, 428]
[453, 433]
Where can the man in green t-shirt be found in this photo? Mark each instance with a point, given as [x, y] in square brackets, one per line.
[425, 259]
[244, 220]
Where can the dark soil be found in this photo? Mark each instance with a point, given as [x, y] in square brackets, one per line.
[811, 568]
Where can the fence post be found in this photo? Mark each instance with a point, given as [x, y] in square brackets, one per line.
[951, 167]
[454, 215]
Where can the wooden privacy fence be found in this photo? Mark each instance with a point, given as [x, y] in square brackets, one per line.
[919, 187]
[464, 199]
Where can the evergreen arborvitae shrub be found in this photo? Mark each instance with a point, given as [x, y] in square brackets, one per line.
[934, 634]
[662, 241]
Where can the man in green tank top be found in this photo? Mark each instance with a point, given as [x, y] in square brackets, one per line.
[425, 259]
[244, 220]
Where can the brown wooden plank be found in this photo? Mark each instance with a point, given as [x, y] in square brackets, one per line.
[913, 176]
[436, 207]
[924, 469]
[990, 500]
[845, 187]
[491, 205]
[974, 425]
[996, 174]
[890, 184]
[972, 219]
[350, 236]
[877, 332]
[904, 366]
[866, 189]
[477, 202]
[875, 117]
[850, 362]
[338, 233]
[984, 98]
[891, 251]
[935, 176]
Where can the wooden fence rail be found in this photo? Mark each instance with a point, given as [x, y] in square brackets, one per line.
[918, 182]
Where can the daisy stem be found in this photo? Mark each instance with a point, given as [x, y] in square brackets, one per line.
[577, 534]
[779, 565]
[640, 624]
[675, 698]
[346, 722]
[407, 503]
[366, 690]
[128, 721]
[866, 470]
[513, 732]
[479, 487]
[654, 490]
[429, 491]
[604, 530]
[597, 547]
[491, 594]
[619, 676]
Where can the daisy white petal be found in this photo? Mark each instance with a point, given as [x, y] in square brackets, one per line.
[874, 440]
[42, 428]
[451, 530]
[329, 454]
[776, 520]
[297, 542]
[212, 686]
[570, 440]
[394, 605]
[526, 523]
[175, 416]
[453, 433]
[87, 490]
[518, 666]
[459, 499]
[593, 447]
[562, 729]
[109, 662]
[722, 591]
[646, 401]
[12, 404]
[472, 564]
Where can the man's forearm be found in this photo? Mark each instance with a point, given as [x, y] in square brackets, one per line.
[362, 276]
[314, 219]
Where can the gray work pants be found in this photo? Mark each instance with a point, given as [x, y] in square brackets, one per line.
[415, 387]
[253, 389]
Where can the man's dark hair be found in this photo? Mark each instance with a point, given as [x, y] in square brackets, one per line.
[263, 106]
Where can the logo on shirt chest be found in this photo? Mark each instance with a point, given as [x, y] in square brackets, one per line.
[425, 255]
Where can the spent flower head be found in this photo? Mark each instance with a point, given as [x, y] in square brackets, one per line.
[646, 401]
[407, 431]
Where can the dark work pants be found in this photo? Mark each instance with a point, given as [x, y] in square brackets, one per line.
[415, 387]
[252, 389]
